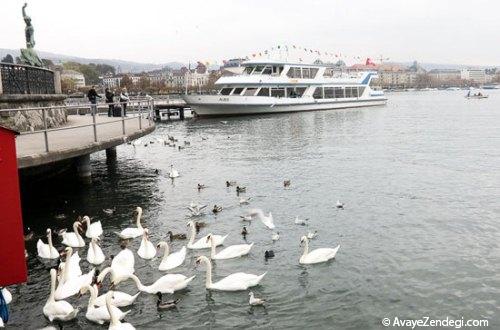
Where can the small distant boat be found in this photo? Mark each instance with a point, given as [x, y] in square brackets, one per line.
[453, 88]
[477, 96]
[491, 87]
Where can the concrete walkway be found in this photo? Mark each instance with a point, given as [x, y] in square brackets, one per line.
[77, 141]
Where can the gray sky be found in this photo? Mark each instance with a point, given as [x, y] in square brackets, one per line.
[439, 31]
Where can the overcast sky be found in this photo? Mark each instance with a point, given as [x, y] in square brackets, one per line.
[438, 31]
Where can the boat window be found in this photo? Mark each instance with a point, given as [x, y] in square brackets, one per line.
[293, 92]
[250, 91]
[360, 91]
[263, 92]
[339, 92]
[318, 93]
[329, 93]
[238, 90]
[348, 91]
[277, 92]
[313, 71]
[258, 69]
[249, 69]
[306, 73]
[267, 70]
[225, 91]
[300, 91]
[277, 70]
[328, 73]
[294, 72]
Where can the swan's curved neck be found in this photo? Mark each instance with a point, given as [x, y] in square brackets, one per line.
[167, 251]
[49, 240]
[66, 265]
[52, 286]
[113, 318]
[208, 280]
[93, 296]
[213, 252]
[77, 233]
[138, 219]
[306, 247]
[193, 234]
[103, 274]
[139, 284]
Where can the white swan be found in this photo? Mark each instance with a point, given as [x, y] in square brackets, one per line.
[115, 323]
[146, 249]
[119, 299]
[233, 282]
[173, 260]
[266, 220]
[166, 284]
[94, 230]
[74, 270]
[202, 243]
[99, 314]
[301, 222]
[317, 255]
[122, 265]
[311, 235]
[47, 251]
[73, 239]
[233, 251]
[173, 172]
[7, 296]
[133, 232]
[275, 236]
[71, 285]
[57, 310]
[95, 256]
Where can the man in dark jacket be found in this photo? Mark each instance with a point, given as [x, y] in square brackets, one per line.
[92, 96]
[109, 100]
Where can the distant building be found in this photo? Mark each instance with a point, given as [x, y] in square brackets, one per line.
[190, 78]
[111, 81]
[75, 76]
[445, 74]
[475, 75]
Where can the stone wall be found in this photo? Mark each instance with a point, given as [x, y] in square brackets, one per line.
[33, 119]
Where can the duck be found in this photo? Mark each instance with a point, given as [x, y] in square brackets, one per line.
[73, 239]
[119, 299]
[201, 186]
[28, 234]
[115, 323]
[232, 251]
[94, 230]
[172, 260]
[275, 236]
[266, 220]
[287, 183]
[95, 256]
[233, 282]
[146, 249]
[317, 255]
[109, 211]
[244, 231]
[230, 183]
[69, 286]
[244, 201]
[121, 265]
[173, 172]
[173, 236]
[187, 143]
[216, 209]
[301, 222]
[47, 251]
[181, 148]
[57, 310]
[99, 314]
[255, 301]
[160, 304]
[196, 210]
[202, 243]
[339, 205]
[268, 254]
[240, 189]
[7, 296]
[311, 235]
[166, 284]
[132, 232]
[198, 225]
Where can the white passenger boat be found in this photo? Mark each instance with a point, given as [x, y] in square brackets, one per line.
[273, 86]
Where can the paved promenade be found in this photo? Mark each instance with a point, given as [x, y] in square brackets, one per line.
[78, 141]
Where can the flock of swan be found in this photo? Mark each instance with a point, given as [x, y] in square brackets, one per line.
[69, 280]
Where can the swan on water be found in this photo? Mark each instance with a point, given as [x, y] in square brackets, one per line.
[147, 249]
[119, 299]
[266, 220]
[57, 310]
[166, 284]
[202, 243]
[339, 205]
[275, 236]
[232, 251]
[7, 296]
[73, 239]
[99, 314]
[71, 286]
[115, 323]
[121, 266]
[255, 301]
[94, 230]
[47, 251]
[311, 235]
[317, 255]
[73, 270]
[173, 172]
[95, 256]
[172, 260]
[132, 232]
[233, 282]
[301, 222]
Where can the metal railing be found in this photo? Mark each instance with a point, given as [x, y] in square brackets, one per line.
[25, 79]
[139, 111]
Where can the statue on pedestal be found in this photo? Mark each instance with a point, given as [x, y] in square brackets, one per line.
[28, 54]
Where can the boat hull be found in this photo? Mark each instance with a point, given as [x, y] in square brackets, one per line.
[208, 105]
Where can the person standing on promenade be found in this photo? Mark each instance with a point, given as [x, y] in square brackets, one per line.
[92, 96]
[109, 100]
[124, 98]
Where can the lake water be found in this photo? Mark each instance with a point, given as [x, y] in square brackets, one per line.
[419, 234]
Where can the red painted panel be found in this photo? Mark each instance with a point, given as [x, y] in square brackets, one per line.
[12, 261]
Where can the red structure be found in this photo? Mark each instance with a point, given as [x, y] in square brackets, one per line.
[12, 260]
